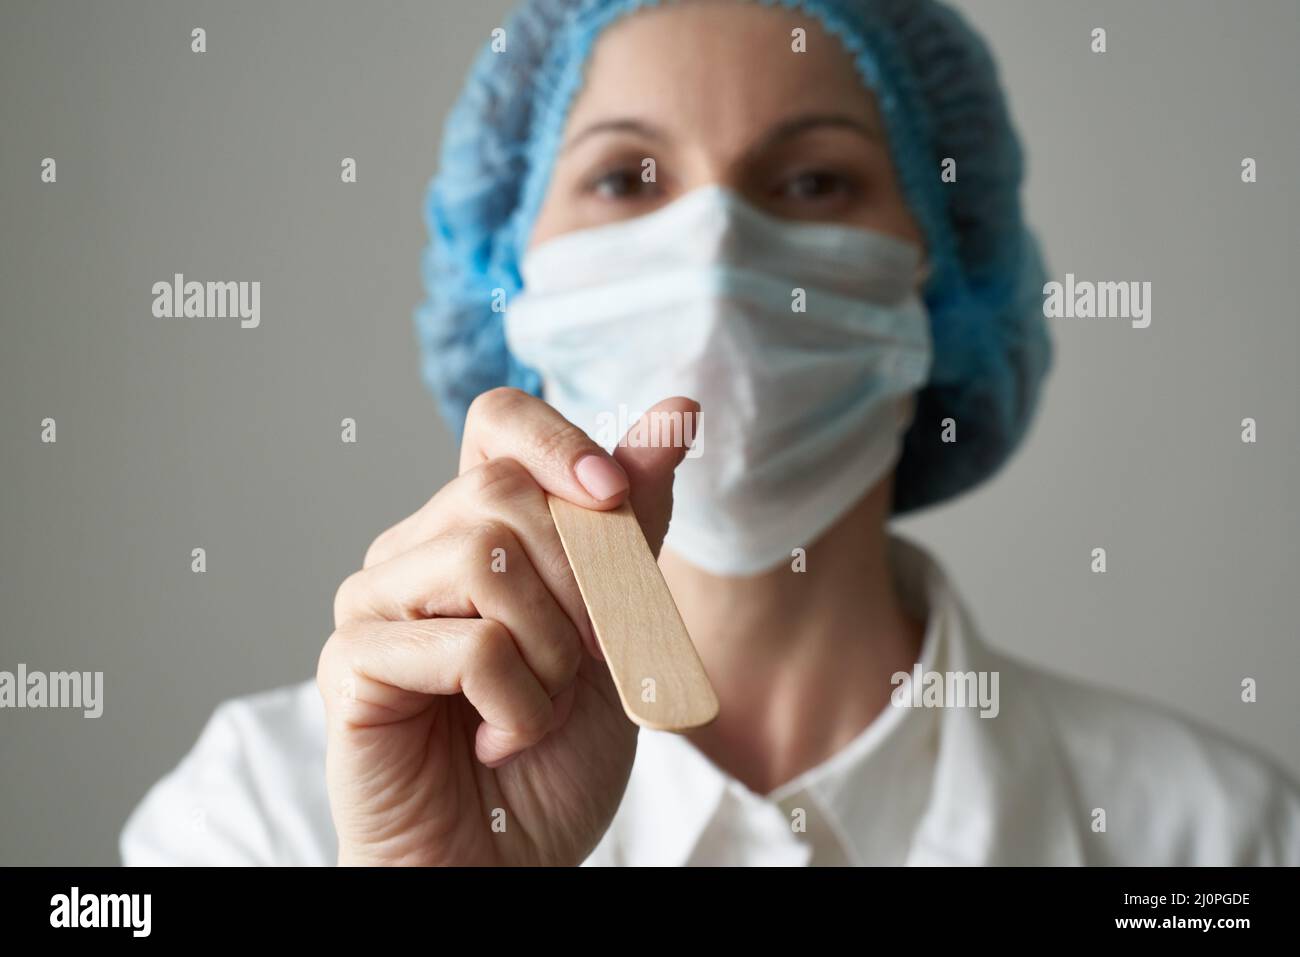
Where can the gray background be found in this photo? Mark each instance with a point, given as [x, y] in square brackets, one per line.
[225, 165]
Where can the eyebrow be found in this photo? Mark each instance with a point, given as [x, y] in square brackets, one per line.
[785, 130]
[621, 125]
[798, 125]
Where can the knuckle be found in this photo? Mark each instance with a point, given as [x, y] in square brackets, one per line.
[378, 549]
[330, 664]
[500, 480]
[482, 541]
[344, 598]
[560, 442]
[493, 404]
[568, 659]
[323, 661]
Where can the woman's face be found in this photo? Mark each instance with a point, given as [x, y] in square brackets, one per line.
[713, 92]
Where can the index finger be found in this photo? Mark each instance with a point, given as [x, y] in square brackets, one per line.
[561, 458]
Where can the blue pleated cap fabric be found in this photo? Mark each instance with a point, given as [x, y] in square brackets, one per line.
[939, 96]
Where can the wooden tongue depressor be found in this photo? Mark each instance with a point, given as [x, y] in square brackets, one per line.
[656, 669]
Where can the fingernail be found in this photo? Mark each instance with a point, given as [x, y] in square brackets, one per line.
[600, 477]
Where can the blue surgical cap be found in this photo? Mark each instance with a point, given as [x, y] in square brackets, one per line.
[939, 97]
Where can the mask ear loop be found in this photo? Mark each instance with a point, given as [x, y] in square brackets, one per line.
[923, 271]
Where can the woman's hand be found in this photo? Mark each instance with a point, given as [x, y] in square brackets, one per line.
[471, 719]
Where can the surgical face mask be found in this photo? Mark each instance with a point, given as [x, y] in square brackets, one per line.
[803, 343]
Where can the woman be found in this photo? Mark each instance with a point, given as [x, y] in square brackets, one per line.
[801, 221]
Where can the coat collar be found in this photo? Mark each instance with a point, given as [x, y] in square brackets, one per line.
[999, 793]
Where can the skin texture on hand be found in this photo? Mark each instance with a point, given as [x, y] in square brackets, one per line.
[471, 719]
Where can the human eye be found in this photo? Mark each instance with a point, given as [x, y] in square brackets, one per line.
[619, 184]
[817, 186]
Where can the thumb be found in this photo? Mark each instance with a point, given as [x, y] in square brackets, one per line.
[650, 452]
